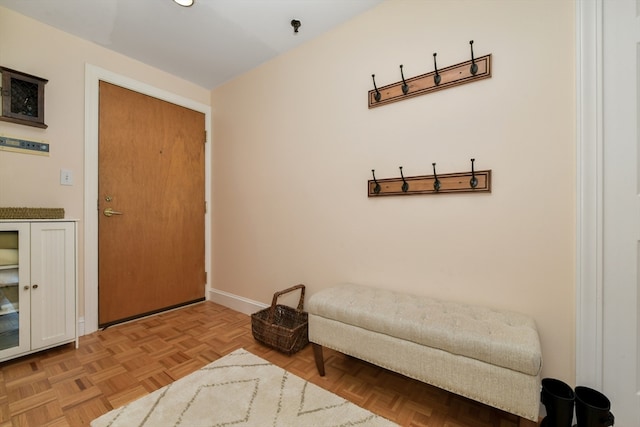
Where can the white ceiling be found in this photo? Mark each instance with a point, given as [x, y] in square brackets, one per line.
[208, 44]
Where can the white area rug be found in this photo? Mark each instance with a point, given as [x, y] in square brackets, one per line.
[240, 389]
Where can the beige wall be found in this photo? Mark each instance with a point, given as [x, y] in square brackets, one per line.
[34, 48]
[294, 145]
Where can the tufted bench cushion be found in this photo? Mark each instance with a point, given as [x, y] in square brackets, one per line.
[491, 356]
[498, 337]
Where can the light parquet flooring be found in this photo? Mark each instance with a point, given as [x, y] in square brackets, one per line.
[66, 386]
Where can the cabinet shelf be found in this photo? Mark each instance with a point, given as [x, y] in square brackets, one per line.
[8, 267]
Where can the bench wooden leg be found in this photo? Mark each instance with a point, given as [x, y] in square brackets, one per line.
[317, 355]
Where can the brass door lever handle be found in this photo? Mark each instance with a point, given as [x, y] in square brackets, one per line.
[110, 212]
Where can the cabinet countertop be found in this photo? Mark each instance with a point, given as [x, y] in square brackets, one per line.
[39, 220]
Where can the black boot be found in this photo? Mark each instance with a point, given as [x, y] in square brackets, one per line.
[557, 397]
[592, 408]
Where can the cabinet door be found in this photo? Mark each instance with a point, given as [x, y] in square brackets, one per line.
[15, 282]
[53, 278]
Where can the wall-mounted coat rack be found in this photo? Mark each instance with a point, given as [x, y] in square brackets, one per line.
[454, 75]
[460, 182]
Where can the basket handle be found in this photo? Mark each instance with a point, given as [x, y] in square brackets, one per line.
[274, 302]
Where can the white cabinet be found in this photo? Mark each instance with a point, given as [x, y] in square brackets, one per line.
[37, 285]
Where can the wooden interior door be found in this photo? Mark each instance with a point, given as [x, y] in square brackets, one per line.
[151, 205]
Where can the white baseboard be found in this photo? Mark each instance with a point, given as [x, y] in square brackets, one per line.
[236, 302]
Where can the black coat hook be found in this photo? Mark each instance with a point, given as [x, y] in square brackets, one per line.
[405, 184]
[376, 189]
[474, 66]
[474, 180]
[436, 183]
[405, 87]
[436, 78]
[377, 96]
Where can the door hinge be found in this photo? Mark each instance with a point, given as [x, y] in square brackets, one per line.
[206, 276]
[205, 136]
[206, 207]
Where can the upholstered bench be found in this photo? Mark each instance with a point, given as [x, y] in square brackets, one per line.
[491, 356]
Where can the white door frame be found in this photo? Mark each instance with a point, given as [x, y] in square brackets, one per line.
[93, 75]
[589, 191]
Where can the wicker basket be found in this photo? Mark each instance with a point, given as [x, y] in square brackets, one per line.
[281, 327]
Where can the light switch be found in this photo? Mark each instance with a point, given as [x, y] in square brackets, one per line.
[66, 177]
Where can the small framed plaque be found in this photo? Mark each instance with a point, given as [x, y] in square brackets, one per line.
[22, 98]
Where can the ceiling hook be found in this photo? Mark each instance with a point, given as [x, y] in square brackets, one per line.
[295, 24]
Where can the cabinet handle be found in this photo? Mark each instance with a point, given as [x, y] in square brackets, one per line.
[35, 286]
[26, 288]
